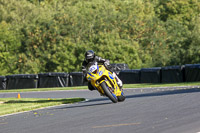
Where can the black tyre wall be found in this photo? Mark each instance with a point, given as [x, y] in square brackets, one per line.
[77, 79]
[47, 80]
[172, 74]
[192, 72]
[151, 75]
[130, 76]
[21, 81]
[2, 82]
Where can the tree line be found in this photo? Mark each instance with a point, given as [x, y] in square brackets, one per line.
[52, 35]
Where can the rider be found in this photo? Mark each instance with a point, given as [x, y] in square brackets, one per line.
[90, 57]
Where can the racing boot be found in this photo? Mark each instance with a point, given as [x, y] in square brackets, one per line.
[119, 82]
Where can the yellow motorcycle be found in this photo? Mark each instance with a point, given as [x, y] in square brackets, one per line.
[103, 81]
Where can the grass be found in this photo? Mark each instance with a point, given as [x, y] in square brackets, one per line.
[144, 85]
[14, 105]
[45, 89]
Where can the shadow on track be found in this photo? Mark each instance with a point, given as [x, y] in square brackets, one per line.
[88, 105]
[162, 93]
[85, 104]
[152, 94]
[106, 101]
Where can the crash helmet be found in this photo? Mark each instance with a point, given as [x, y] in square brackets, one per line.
[89, 56]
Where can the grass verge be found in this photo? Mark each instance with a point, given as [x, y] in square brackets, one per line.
[143, 85]
[14, 105]
[45, 89]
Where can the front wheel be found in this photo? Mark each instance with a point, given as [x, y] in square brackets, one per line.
[109, 93]
[121, 98]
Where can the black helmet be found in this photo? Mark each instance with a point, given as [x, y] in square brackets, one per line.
[89, 56]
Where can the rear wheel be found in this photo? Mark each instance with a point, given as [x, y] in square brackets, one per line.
[109, 93]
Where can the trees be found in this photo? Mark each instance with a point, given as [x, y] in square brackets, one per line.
[181, 21]
[182, 11]
[193, 52]
[52, 35]
[9, 44]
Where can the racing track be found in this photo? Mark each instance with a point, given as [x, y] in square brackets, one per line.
[152, 110]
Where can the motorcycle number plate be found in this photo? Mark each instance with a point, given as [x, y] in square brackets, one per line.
[92, 69]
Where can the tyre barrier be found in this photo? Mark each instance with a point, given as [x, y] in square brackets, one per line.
[169, 74]
[150, 75]
[192, 72]
[76, 79]
[130, 76]
[52, 79]
[172, 74]
[21, 81]
[2, 82]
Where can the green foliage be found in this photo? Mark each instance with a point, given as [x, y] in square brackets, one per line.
[181, 20]
[182, 11]
[52, 35]
[193, 52]
[9, 45]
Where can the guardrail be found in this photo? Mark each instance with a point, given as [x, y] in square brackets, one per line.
[170, 74]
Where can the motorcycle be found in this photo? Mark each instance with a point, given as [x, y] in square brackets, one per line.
[103, 81]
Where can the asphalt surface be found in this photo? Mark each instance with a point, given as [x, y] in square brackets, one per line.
[152, 110]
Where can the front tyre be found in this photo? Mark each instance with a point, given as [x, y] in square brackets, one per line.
[109, 93]
[121, 98]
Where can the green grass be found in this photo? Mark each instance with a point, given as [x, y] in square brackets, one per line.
[45, 89]
[14, 105]
[144, 85]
